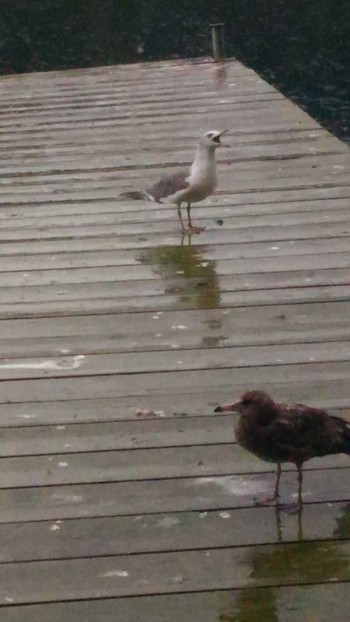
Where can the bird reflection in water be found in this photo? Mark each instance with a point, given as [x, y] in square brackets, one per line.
[300, 563]
[187, 274]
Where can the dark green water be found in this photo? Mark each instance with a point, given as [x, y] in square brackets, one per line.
[301, 46]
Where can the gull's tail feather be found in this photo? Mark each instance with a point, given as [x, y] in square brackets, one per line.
[347, 436]
[343, 430]
[137, 195]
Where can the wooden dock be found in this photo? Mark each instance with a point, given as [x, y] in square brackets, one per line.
[122, 496]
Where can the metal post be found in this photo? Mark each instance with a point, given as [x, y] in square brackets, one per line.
[217, 32]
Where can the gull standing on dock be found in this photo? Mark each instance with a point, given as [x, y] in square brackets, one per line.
[188, 185]
[277, 432]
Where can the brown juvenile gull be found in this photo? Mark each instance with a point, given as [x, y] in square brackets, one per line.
[188, 185]
[277, 432]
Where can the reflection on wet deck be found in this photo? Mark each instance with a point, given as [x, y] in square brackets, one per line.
[122, 496]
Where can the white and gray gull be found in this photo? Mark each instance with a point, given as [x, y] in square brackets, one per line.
[188, 185]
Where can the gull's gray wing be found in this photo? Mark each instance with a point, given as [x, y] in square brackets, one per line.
[169, 185]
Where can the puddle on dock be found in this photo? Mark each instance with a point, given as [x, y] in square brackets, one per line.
[301, 564]
[193, 278]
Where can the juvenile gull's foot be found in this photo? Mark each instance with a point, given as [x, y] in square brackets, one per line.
[267, 501]
[192, 230]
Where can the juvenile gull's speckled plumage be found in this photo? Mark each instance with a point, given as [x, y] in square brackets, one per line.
[277, 432]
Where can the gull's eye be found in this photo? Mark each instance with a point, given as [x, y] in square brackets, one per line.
[210, 134]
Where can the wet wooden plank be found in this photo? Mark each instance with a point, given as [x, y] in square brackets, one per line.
[99, 145]
[45, 540]
[201, 461]
[178, 383]
[166, 263]
[248, 160]
[197, 401]
[133, 211]
[294, 603]
[137, 180]
[71, 335]
[68, 214]
[21, 256]
[290, 114]
[162, 495]
[204, 290]
[107, 107]
[248, 197]
[173, 238]
[286, 296]
[66, 365]
[170, 572]
[203, 296]
[31, 150]
[72, 106]
[161, 432]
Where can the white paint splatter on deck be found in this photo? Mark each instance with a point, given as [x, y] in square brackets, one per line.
[115, 573]
[46, 364]
[233, 485]
[168, 521]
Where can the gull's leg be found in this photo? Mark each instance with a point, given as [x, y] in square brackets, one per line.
[189, 215]
[191, 228]
[300, 485]
[277, 484]
[183, 230]
[276, 493]
[299, 507]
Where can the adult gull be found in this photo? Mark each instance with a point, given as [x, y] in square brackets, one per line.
[187, 185]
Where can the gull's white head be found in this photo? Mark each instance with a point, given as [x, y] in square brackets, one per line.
[212, 140]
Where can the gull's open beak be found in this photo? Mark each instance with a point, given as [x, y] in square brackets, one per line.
[222, 134]
[228, 408]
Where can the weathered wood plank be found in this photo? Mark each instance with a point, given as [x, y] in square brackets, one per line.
[255, 157]
[121, 435]
[217, 235]
[71, 335]
[84, 101]
[120, 535]
[293, 602]
[171, 572]
[144, 223]
[202, 292]
[131, 211]
[175, 383]
[67, 365]
[255, 197]
[200, 402]
[22, 255]
[99, 144]
[289, 295]
[140, 464]
[31, 441]
[142, 176]
[166, 262]
[180, 140]
[81, 110]
[162, 495]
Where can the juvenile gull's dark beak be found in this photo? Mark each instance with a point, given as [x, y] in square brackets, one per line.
[228, 408]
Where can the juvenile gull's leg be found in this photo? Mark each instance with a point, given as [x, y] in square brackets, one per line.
[276, 493]
[300, 485]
